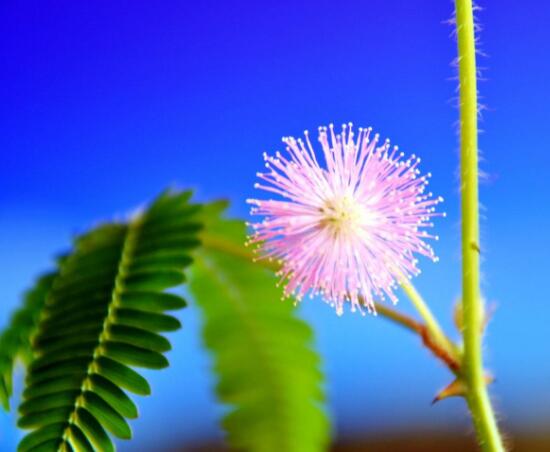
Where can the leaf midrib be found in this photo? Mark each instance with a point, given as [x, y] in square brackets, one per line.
[128, 246]
[255, 338]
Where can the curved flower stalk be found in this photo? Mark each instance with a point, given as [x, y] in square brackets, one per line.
[349, 227]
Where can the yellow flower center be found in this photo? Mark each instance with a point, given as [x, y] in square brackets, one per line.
[342, 214]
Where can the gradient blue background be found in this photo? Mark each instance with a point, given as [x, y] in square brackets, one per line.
[103, 104]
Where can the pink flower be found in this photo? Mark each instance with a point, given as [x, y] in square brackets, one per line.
[348, 228]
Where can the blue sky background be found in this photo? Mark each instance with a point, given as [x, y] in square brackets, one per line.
[103, 104]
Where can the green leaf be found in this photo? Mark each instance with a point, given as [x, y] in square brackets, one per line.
[15, 340]
[47, 360]
[134, 356]
[93, 430]
[151, 301]
[52, 445]
[161, 260]
[113, 395]
[122, 376]
[147, 320]
[53, 385]
[45, 417]
[154, 279]
[34, 439]
[64, 368]
[139, 337]
[267, 372]
[101, 314]
[50, 401]
[107, 416]
[79, 440]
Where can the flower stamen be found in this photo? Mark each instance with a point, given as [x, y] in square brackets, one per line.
[348, 229]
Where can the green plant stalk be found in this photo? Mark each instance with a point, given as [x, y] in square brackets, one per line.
[432, 325]
[472, 367]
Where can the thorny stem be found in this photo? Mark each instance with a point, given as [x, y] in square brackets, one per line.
[430, 332]
[472, 365]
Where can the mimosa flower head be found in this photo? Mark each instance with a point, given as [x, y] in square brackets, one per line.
[348, 226]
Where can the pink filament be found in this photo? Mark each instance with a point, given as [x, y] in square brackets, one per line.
[348, 229]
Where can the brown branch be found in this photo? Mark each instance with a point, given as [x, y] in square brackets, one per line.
[419, 328]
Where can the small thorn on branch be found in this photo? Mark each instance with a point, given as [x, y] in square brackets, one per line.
[457, 388]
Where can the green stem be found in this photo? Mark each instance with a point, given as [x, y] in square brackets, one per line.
[432, 325]
[472, 369]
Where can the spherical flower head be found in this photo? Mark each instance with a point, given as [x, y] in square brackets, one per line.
[348, 226]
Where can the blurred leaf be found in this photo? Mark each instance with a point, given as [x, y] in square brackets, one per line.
[267, 370]
[15, 340]
[102, 314]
